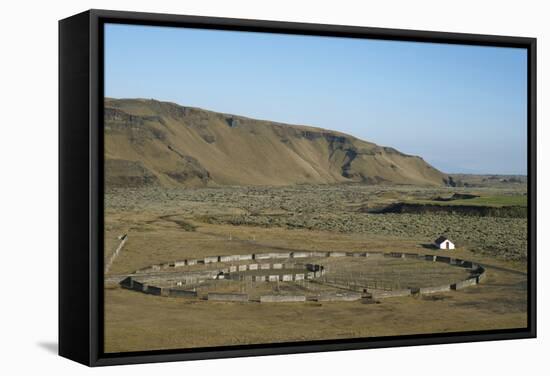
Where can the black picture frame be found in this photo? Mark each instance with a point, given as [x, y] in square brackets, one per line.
[81, 185]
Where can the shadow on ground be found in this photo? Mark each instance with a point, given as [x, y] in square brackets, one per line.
[428, 246]
[50, 347]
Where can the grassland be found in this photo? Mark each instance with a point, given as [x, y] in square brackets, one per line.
[336, 209]
[164, 225]
[135, 321]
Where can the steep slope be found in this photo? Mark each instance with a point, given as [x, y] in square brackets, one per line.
[148, 142]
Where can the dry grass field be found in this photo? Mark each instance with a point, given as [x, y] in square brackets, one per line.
[164, 225]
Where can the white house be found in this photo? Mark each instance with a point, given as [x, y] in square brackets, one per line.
[444, 243]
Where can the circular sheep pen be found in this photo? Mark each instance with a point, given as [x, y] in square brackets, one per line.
[306, 276]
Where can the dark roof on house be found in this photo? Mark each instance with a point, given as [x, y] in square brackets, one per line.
[440, 240]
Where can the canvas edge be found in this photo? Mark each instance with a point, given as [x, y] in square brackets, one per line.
[74, 187]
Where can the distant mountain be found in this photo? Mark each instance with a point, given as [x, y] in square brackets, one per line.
[148, 142]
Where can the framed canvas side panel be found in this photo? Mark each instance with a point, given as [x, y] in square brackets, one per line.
[532, 187]
[74, 188]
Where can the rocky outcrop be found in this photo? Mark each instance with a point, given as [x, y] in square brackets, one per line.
[471, 210]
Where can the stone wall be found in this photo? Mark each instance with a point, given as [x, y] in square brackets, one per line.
[256, 256]
[127, 283]
[312, 271]
[444, 259]
[112, 258]
[152, 290]
[383, 294]
[280, 255]
[137, 286]
[339, 297]
[463, 284]
[481, 275]
[131, 284]
[182, 293]
[282, 298]
[229, 258]
[337, 254]
[300, 254]
[212, 259]
[227, 297]
[434, 290]
[262, 256]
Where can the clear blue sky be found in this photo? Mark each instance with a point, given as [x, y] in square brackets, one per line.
[462, 108]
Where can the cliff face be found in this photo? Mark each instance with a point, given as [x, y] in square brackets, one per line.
[148, 142]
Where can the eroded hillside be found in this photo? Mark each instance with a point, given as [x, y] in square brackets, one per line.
[148, 142]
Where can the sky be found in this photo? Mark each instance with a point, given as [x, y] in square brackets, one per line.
[462, 108]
